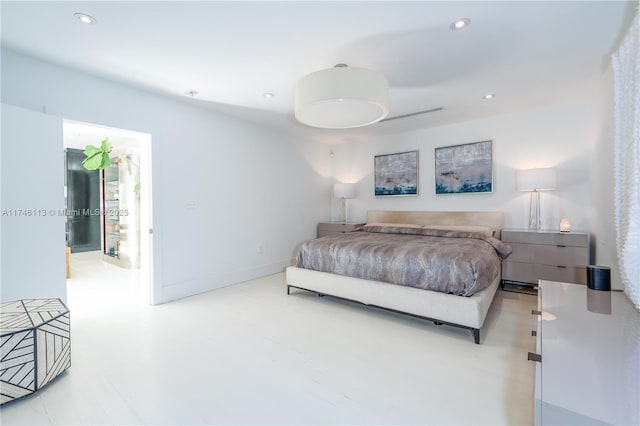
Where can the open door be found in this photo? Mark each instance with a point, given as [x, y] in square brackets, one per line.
[32, 262]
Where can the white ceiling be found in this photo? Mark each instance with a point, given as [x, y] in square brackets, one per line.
[527, 53]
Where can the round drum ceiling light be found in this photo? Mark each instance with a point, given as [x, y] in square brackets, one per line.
[341, 97]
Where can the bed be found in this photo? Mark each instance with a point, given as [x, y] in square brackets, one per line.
[466, 309]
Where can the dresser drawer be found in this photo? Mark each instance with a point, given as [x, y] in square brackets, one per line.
[331, 228]
[546, 238]
[531, 273]
[335, 227]
[548, 254]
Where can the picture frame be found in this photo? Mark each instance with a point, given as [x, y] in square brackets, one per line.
[396, 174]
[466, 168]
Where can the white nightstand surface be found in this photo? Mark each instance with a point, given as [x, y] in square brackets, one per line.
[590, 369]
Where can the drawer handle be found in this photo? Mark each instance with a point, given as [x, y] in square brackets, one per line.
[534, 312]
[560, 245]
[560, 266]
[534, 357]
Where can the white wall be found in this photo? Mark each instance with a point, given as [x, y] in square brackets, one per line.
[554, 136]
[32, 265]
[251, 185]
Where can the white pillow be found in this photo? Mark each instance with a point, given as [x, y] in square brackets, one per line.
[484, 230]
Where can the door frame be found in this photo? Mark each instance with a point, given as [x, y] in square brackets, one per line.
[143, 141]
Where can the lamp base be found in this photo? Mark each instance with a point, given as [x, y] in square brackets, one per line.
[343, 210]
[534, 211]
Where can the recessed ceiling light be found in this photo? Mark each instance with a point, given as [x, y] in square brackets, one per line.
[191, 93]
[459, 24]
[268, 95]
[85, 19]
[489, 96]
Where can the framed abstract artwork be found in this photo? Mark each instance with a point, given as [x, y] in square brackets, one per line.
[464, 168]
[396, 174]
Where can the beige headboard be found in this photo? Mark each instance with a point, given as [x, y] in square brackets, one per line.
[494, 220]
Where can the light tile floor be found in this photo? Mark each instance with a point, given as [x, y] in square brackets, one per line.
[250, 354]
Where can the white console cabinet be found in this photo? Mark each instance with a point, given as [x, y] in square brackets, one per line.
[588, 342]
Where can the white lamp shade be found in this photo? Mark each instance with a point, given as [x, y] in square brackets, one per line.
[536, 180]
[341, 98]
[344, 190]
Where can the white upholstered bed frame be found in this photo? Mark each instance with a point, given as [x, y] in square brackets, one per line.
[459, 311]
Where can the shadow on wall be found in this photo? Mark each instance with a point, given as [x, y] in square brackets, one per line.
[573, 191]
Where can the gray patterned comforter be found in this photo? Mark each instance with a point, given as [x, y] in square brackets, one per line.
[454, 262]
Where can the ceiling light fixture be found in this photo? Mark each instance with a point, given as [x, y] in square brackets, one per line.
[341, 97]
[85, 19]
[489, 96]
[459, 24]
[268, 95]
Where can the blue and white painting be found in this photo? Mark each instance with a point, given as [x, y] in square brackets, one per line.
[396, 174]
[464, 168]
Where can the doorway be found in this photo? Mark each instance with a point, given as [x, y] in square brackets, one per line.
[123, 210]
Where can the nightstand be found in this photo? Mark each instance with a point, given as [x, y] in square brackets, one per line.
[330, 228]
[545, 255]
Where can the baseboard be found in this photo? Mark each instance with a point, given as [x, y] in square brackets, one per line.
[212, 282]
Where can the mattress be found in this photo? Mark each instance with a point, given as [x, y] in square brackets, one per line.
[452, 262]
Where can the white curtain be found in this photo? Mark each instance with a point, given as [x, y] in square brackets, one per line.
[626, 69]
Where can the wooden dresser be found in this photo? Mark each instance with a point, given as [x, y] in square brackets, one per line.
[545, 255]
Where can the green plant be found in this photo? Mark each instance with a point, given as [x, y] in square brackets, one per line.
[99, 158]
